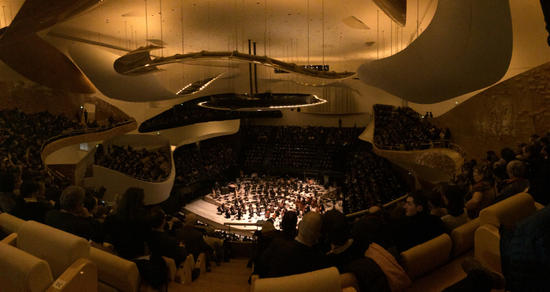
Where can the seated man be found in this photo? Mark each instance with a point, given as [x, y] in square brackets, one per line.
[516, 183]
[193, 239]
[32, 204]
[73, 216]
[418, 225]
[160, 242]
[284, 257]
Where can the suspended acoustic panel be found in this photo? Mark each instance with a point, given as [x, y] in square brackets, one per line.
[394, 9]
[37, 15]
[97, 63]
[467, 46]
[42, 63]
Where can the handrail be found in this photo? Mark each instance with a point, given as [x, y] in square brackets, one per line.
[75, 133]
[443, 143]
[386, 205]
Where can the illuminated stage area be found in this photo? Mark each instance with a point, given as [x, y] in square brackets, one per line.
[252, 199]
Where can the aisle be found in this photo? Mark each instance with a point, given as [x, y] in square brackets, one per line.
[230, 276]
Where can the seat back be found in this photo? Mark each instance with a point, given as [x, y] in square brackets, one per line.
[58, 248]
[463, 236]
[427, 256]
[9, 223]
[21, 271]
[509, 211]
[114, 271]
[325, 280]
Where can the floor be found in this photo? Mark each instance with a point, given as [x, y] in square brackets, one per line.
[230, 276]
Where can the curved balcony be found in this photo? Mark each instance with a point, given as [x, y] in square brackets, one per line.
[437, 163]
[117, 182]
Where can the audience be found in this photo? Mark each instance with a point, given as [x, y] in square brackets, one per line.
[300, 255]
[73, 217]
[454, 202]
[516, 183]
[160, 242]
[128, 228]
[482, 192]
[404, 129]
[143, 164]
[418, 225]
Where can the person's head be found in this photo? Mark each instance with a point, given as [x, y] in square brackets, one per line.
[415, 203]
[454, 200]
[481, 172]
[7, 182]
[72, 199]
[335, 227]
[289, 221]
[90, 202]
[131, 203]
[515, 169]
[30, 189]
[309, 229]
[492, 156]
[507, 154]
[157, 218]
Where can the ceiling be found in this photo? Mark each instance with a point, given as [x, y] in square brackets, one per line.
[343, 34]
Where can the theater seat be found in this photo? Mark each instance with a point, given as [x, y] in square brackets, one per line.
[115, 273]
[21, 271]
[463, 237]
[9, 223]
[58, 248]
[425, 257]
[325, 280]
[504, 213]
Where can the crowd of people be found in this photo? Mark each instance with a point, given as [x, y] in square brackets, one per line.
[206, 161]
[149, 165]
[369, 180]
[254, 198]
[296, 148]
[22, 136]
[402, 128]
[189, 113]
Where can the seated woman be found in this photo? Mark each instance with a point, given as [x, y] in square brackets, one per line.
[482, 191]
[454, 200]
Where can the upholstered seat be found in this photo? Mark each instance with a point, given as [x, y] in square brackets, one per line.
[58, 248]
[425, 257]
[9, 223]
[504, 213]
[325, 280]
[115, 273]
[21, 271]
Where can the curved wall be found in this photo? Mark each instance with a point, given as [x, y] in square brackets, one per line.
[117, 183]
[200, 131]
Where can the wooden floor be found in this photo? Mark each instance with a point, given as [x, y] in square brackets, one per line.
[230, 276]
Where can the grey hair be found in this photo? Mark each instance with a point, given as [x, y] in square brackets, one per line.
[72, 197]
[515, 168]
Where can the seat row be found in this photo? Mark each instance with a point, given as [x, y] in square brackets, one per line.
[481, 234]
[37, 257]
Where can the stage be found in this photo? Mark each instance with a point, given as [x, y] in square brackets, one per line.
[243, 206]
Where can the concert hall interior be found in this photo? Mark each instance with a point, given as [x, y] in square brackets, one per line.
[274, 145]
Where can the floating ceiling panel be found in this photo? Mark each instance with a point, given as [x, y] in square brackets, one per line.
[467, 46]
[97, 63]
[395, 9]
[40, 62]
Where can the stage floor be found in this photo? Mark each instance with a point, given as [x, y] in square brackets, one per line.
[209, 213]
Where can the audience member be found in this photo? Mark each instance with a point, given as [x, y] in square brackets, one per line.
[73, 216]
[418, 225]
[128, 229]
[481, 190]
[454, 200]
[285, 257]
[516, 183]
[160, 242]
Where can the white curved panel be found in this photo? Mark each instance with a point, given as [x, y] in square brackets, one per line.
[200, 131]
[467, 46]
[97, 64]
[117, 183]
